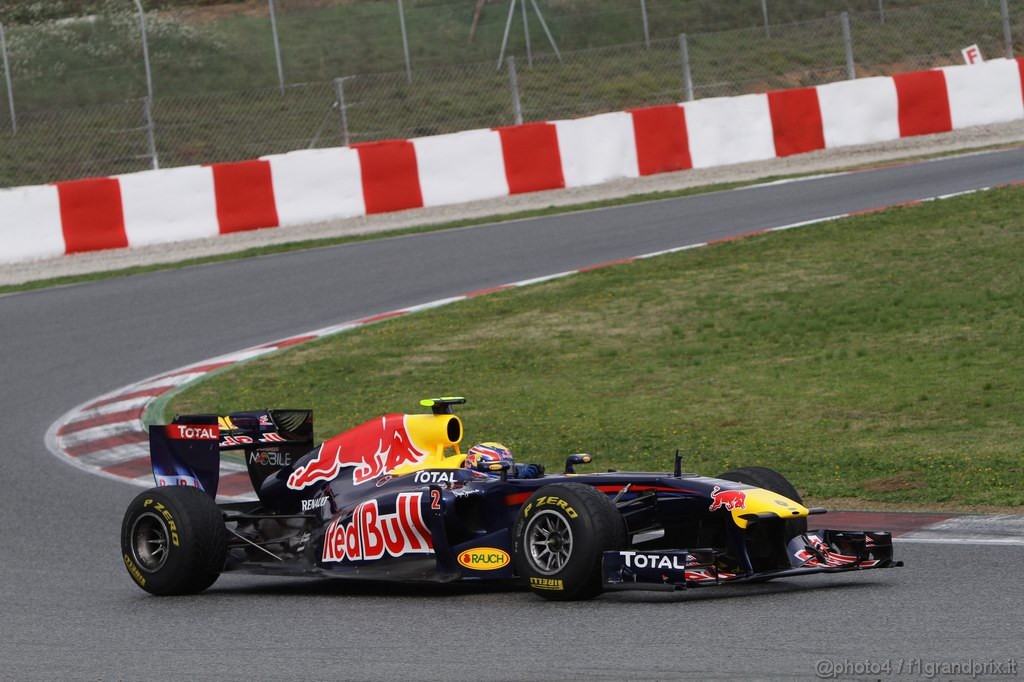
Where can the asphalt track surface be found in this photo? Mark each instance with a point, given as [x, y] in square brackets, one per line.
[69, 610]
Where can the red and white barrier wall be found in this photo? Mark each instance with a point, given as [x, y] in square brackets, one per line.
[170, 205]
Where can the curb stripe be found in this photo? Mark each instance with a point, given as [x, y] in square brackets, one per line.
[101, 420]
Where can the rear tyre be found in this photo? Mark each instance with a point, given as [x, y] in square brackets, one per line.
[559, 536]
[173, 540]
[772, 480]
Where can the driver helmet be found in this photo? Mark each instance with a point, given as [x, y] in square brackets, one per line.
[482, 456]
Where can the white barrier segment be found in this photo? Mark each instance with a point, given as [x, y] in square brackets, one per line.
[726, 130]
[597, 149]
[460, 167]
[984, 93]
[859, 112]
[313, 185]
[30, 225]
[169, 205]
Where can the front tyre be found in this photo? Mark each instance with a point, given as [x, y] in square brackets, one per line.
[173, 540]
[559, 537]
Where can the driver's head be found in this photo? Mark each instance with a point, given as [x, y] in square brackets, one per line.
[483, 456]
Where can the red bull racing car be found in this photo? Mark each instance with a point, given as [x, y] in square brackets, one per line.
[392, 500]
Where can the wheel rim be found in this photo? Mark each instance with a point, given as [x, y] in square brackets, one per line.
[548, 542]
[150, 542]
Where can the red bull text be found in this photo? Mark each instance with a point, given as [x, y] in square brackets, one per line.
[370, 535]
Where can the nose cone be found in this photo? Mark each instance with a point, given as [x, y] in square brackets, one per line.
[760, 501]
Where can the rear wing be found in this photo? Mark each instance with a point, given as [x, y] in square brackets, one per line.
[188, 450]
[187, 453]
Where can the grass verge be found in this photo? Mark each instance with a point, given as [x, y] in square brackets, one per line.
[874, 358]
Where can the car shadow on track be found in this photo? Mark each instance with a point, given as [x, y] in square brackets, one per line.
[284, 587]
[741, 591]
[361, 588]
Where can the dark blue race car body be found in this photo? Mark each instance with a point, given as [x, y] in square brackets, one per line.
[386, 501]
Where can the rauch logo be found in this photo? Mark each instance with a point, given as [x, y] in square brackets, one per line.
[484, 559]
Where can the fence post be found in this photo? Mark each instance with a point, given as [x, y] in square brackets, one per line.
[145, 49]
[147, 111]
[339, 89]
[7, 77]
[684, 49]
[1004, 7]
[526, 32]
[647, 28]
[405, 42]
[851, 67]
[277, 46]
[547, 31]
[881, 11]
[764, 12]
[513, 84]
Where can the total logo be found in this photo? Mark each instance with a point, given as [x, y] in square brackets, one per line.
[190, 432]
[370, 535]
[316, 503]
[435, 477]
[659, 561]
[484, 559]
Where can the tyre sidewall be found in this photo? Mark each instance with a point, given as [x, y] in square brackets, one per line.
[577, 576]
[188, 564]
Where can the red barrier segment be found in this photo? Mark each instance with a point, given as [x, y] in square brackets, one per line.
[662, 140]
[391, 180]
[924, 103]
[91, 215]
[245, 196]
[1020, 64]
[796, 121]
[532, 159]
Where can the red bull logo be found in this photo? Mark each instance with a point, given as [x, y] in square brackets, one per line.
[370, 535]
[727, 499]
[372, 449]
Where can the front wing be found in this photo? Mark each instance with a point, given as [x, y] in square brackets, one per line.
[820, 551]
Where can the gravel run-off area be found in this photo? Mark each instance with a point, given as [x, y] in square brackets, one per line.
[817, 162]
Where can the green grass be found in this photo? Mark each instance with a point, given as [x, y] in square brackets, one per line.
[78, 86]
[875, 358]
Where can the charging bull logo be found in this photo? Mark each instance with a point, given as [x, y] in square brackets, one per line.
[727, 499]
[374, 448]
[371, 535]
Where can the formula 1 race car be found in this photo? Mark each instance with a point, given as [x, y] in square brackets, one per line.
[392, 500]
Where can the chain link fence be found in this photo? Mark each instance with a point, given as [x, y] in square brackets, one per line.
[76, 102]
